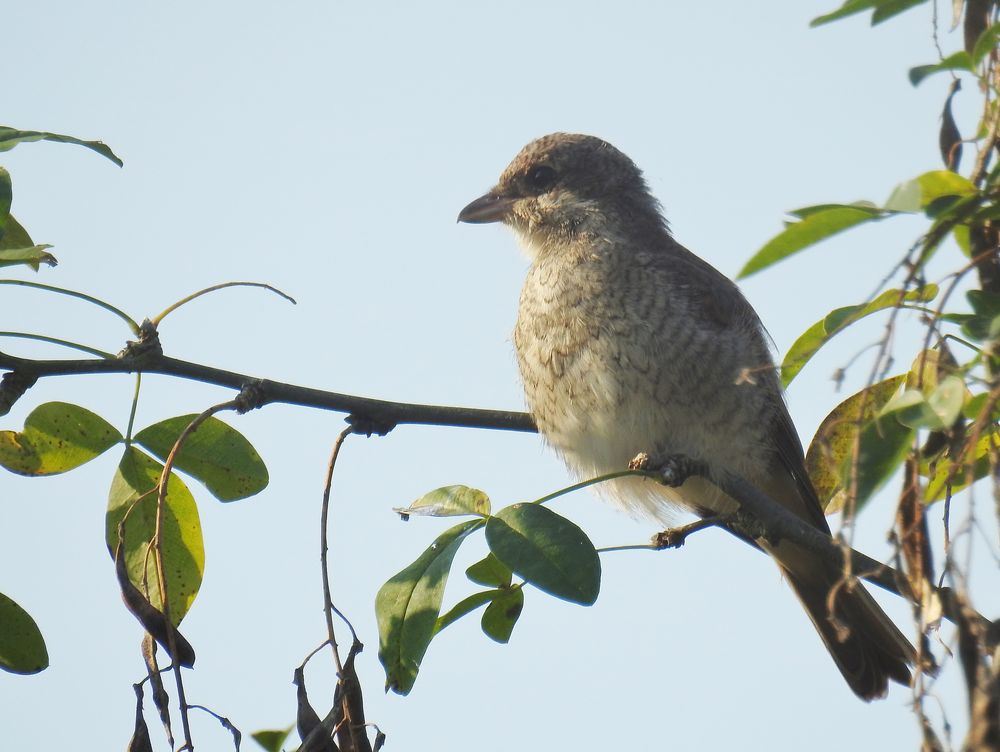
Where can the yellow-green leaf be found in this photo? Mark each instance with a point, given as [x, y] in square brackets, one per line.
[449, 501]
[16, 246]
[835, 438]
[216, 454]
[817, 335]
[917, 194]
[133, 493]
[812, 228]
[57, 437]
[273, 740]
[33, 256]
[944, 477]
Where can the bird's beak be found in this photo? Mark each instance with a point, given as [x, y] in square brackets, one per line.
[489, 208]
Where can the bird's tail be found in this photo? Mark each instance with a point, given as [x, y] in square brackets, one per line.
[864, 643]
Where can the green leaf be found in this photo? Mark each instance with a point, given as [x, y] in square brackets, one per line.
[981, 325]
[948, 399]
[924, 371]
[922, 191]
[490, 572]
[813, 338]
[547, 550]
[502, 614]
[14, 235]
[449, 501]
[849, 8]
[133, 492]
[833, 443]
[986, 43]
[22, 648]
[407, 608]
[11, 137]
[272, 740]
[16, 247]
[814, 227]
[888, 8]
[33, 256]
[960, 60]
[57, 437]
[911, 409]
[905, 197]
[882, 10]
[930, 402]
[986, 304]
[961, 235]
[6, 199]
[807, 211]
[465, 606]
[883, 447]
[944, 476]
[216, 454]
[974, 406]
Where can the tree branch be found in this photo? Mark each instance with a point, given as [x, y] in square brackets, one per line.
[367, 415]
[776, 523]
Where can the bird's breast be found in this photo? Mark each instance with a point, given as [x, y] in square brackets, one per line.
[590, 366]
[614, 363]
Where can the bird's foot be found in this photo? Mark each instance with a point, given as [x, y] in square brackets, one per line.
[672, 469]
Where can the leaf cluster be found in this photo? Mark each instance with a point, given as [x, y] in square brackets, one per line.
[529, 540]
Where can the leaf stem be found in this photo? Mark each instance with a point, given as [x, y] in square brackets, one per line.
[631, 547]
[63, 342]
[74, 294]
[593, 481]
[135, 404]
[171, 308]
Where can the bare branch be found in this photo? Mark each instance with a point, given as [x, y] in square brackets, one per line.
[367, 415]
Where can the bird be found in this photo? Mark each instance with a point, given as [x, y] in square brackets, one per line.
[629, 343]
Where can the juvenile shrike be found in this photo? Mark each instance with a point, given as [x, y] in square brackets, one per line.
[627, 343]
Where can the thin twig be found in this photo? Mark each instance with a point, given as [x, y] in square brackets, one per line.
[161, 498]
[345, 691]
[331, 637]
[224, 722]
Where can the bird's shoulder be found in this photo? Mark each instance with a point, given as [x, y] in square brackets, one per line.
[702, 290]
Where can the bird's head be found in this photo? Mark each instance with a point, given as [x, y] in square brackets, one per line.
[563, 185]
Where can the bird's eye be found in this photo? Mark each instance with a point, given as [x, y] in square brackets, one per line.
[541, 178]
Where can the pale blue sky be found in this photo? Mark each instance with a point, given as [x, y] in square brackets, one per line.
[326, 148]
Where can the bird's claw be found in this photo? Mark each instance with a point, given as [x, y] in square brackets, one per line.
[672, 469]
